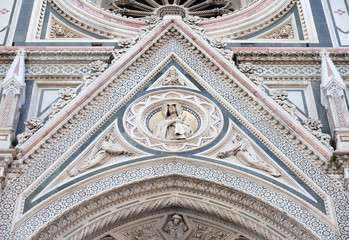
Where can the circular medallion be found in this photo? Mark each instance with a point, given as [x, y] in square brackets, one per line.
[173, 121]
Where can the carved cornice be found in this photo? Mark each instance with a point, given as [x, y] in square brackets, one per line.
[138, 193]
[288, 55]
[58, 55]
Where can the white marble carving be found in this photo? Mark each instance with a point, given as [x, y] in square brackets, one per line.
[244, 152]
[34, 124]
[173, 79]
[66, 96]
[103, 148]
[281, 98]
[175, 228]
[195, 121]
[174, 126]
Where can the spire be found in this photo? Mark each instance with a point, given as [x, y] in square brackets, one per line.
[12, 98]
[333, 99]
[329, 72]
[15, 80]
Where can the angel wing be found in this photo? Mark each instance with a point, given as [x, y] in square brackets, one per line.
[249, 148]
[97, 147]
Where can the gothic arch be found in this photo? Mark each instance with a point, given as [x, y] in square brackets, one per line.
[103, 212]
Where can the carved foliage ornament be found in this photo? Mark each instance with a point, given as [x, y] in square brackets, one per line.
[66, 96]
[97, 68]
[314, 126]
[34, 124]
[281, 98]
[173, 121]
[248, 69]
[60, 31]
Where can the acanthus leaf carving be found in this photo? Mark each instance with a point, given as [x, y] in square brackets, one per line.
[33, 124]
[208, 233]
[314, 127]
[97, 68]
[193, 22]
[66, 96]
[248, 69]
[280, 97]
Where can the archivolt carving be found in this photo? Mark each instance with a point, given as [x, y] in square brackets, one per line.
[167, 193]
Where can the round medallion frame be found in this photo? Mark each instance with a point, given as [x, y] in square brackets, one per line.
[141, 116]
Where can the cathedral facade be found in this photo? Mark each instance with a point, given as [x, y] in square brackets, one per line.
[175, 120]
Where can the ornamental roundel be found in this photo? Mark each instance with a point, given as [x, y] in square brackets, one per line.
[173, 121]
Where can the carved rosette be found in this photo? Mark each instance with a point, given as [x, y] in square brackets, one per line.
[204, 118]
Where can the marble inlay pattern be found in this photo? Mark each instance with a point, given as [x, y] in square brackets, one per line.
[52, 155]
[51, 69]
[103, 185]
[303, 70]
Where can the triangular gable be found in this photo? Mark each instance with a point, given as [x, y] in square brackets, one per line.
[265, 122]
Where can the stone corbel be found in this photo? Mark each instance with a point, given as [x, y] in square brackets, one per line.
[6, 157]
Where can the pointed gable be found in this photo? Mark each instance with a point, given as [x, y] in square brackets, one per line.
[223, 99]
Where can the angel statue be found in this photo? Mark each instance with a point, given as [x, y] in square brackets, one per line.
[244, 152]
[100, 151]
[174, 126]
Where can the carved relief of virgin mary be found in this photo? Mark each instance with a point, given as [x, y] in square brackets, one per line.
[174, 126]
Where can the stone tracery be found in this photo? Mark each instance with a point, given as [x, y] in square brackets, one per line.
[151, 7]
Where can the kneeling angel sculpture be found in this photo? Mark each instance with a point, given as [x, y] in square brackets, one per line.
[99, 152]
[244, 152]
